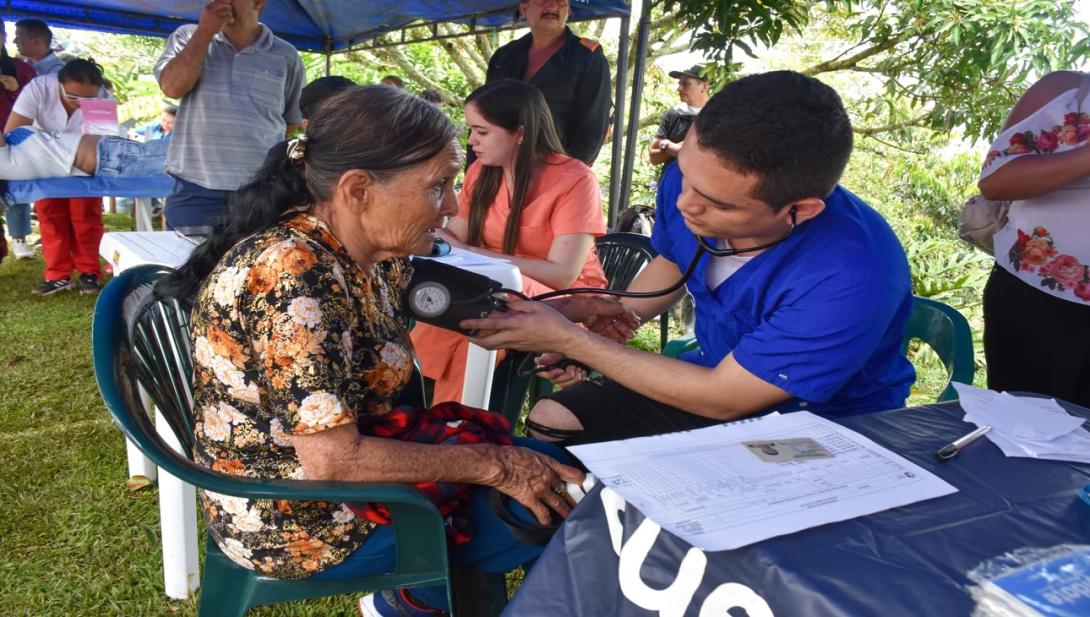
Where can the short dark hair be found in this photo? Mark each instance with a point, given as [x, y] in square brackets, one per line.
[396, 81]
[318, 91]
[37, 28]
[432, 95]
[789, 129]
[171, 109]
[84, 71]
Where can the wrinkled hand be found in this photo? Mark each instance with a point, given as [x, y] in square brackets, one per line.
[560, 377]
[216, 16]
[444, 233]
[604, 316]
[525, 325]
[530, 478]
[10, 83]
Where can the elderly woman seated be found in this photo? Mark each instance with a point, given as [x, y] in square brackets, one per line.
[301, 350]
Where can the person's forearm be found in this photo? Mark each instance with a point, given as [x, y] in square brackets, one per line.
[1033, 176]
[182, 72]
[659, 274]
[658, 153]
[15, 121]
[681, 384]
[345, 455]
[658, 157]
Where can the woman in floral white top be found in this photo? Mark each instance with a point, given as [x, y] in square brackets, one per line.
[300, 349]
[1037, 301]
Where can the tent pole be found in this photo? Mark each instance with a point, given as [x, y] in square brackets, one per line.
[634, 113]
[616, 162]
[328, 63]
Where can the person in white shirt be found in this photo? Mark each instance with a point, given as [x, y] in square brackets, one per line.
[72, 227]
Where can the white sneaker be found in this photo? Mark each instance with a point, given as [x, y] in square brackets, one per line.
[20, 250]
[366, 606]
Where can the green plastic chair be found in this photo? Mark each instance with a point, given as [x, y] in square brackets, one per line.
[938, 325]
[140, 342]
[947, 332]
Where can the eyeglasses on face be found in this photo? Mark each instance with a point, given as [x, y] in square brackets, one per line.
[75, 98]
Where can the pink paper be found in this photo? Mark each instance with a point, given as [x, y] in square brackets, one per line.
[99, 117]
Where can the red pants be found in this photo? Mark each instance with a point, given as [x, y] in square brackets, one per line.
[71, 231]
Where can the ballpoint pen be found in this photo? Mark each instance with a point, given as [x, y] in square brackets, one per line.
[951, 450]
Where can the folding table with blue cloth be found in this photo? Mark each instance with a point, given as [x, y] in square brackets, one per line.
[26, 191]
[908, 561]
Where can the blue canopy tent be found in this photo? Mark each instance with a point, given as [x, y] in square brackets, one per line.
[331, 26]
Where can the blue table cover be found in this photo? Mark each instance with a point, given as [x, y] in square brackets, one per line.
[910, 561]
[26, 191]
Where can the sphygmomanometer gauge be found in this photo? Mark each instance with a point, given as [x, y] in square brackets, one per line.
[429, 299]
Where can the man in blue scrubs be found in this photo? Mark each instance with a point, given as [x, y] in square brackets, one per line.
[807, 314]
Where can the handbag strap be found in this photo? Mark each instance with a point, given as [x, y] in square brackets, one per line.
[1084, 87]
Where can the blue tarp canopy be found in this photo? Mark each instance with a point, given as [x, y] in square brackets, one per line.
[310, 25]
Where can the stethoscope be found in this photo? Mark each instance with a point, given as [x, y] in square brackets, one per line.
[702, 247]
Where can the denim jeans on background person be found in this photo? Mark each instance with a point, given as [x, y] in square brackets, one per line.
[192, 205]
[18, 220]
[124, 158]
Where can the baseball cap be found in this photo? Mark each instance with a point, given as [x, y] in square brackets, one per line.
[693, 71]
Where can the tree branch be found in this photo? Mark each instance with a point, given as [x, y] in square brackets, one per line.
[850, 61]
[460, 56]
[464, 51]
[484, 45]
[395, 57]
[916, 121]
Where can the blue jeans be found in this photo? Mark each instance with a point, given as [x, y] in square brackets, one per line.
[192, 205]
[18, 218]
[493, 549]
[124, 158]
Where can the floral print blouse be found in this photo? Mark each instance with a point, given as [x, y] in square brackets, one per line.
[1044, 241]
[291, 337]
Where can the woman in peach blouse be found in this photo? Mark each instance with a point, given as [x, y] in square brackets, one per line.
[522, 200]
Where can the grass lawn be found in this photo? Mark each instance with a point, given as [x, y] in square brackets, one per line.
[73, 540]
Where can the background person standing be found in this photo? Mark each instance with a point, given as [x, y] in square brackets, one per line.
[239, 87]
[693, 90]
[14, 74]
[34, 40]
[571, 72]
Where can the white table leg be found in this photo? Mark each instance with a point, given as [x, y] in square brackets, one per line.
[477, 388]
[141, 213]
[178, 525]
[140, 465]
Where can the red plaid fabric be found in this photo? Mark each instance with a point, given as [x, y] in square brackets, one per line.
[443, 424]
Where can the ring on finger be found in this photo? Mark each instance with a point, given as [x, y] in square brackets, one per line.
[559, 490]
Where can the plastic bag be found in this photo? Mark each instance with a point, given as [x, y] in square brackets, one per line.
[1034, 582]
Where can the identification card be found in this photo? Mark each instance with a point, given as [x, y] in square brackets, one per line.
[786, 450]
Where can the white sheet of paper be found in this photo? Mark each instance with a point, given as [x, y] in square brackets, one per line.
[707, 489]
[463, 258]
[1027, 426]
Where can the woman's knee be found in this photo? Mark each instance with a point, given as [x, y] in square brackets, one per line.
[548, 414]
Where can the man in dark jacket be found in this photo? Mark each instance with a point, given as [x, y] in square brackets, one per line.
[570, 71]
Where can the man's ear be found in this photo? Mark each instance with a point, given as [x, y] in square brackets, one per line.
[805, 209]
[354, 190]
[305, 123]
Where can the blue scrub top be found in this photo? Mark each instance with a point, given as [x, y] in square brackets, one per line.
[820, 315]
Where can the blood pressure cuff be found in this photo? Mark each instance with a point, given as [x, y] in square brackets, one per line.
[443, 295]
